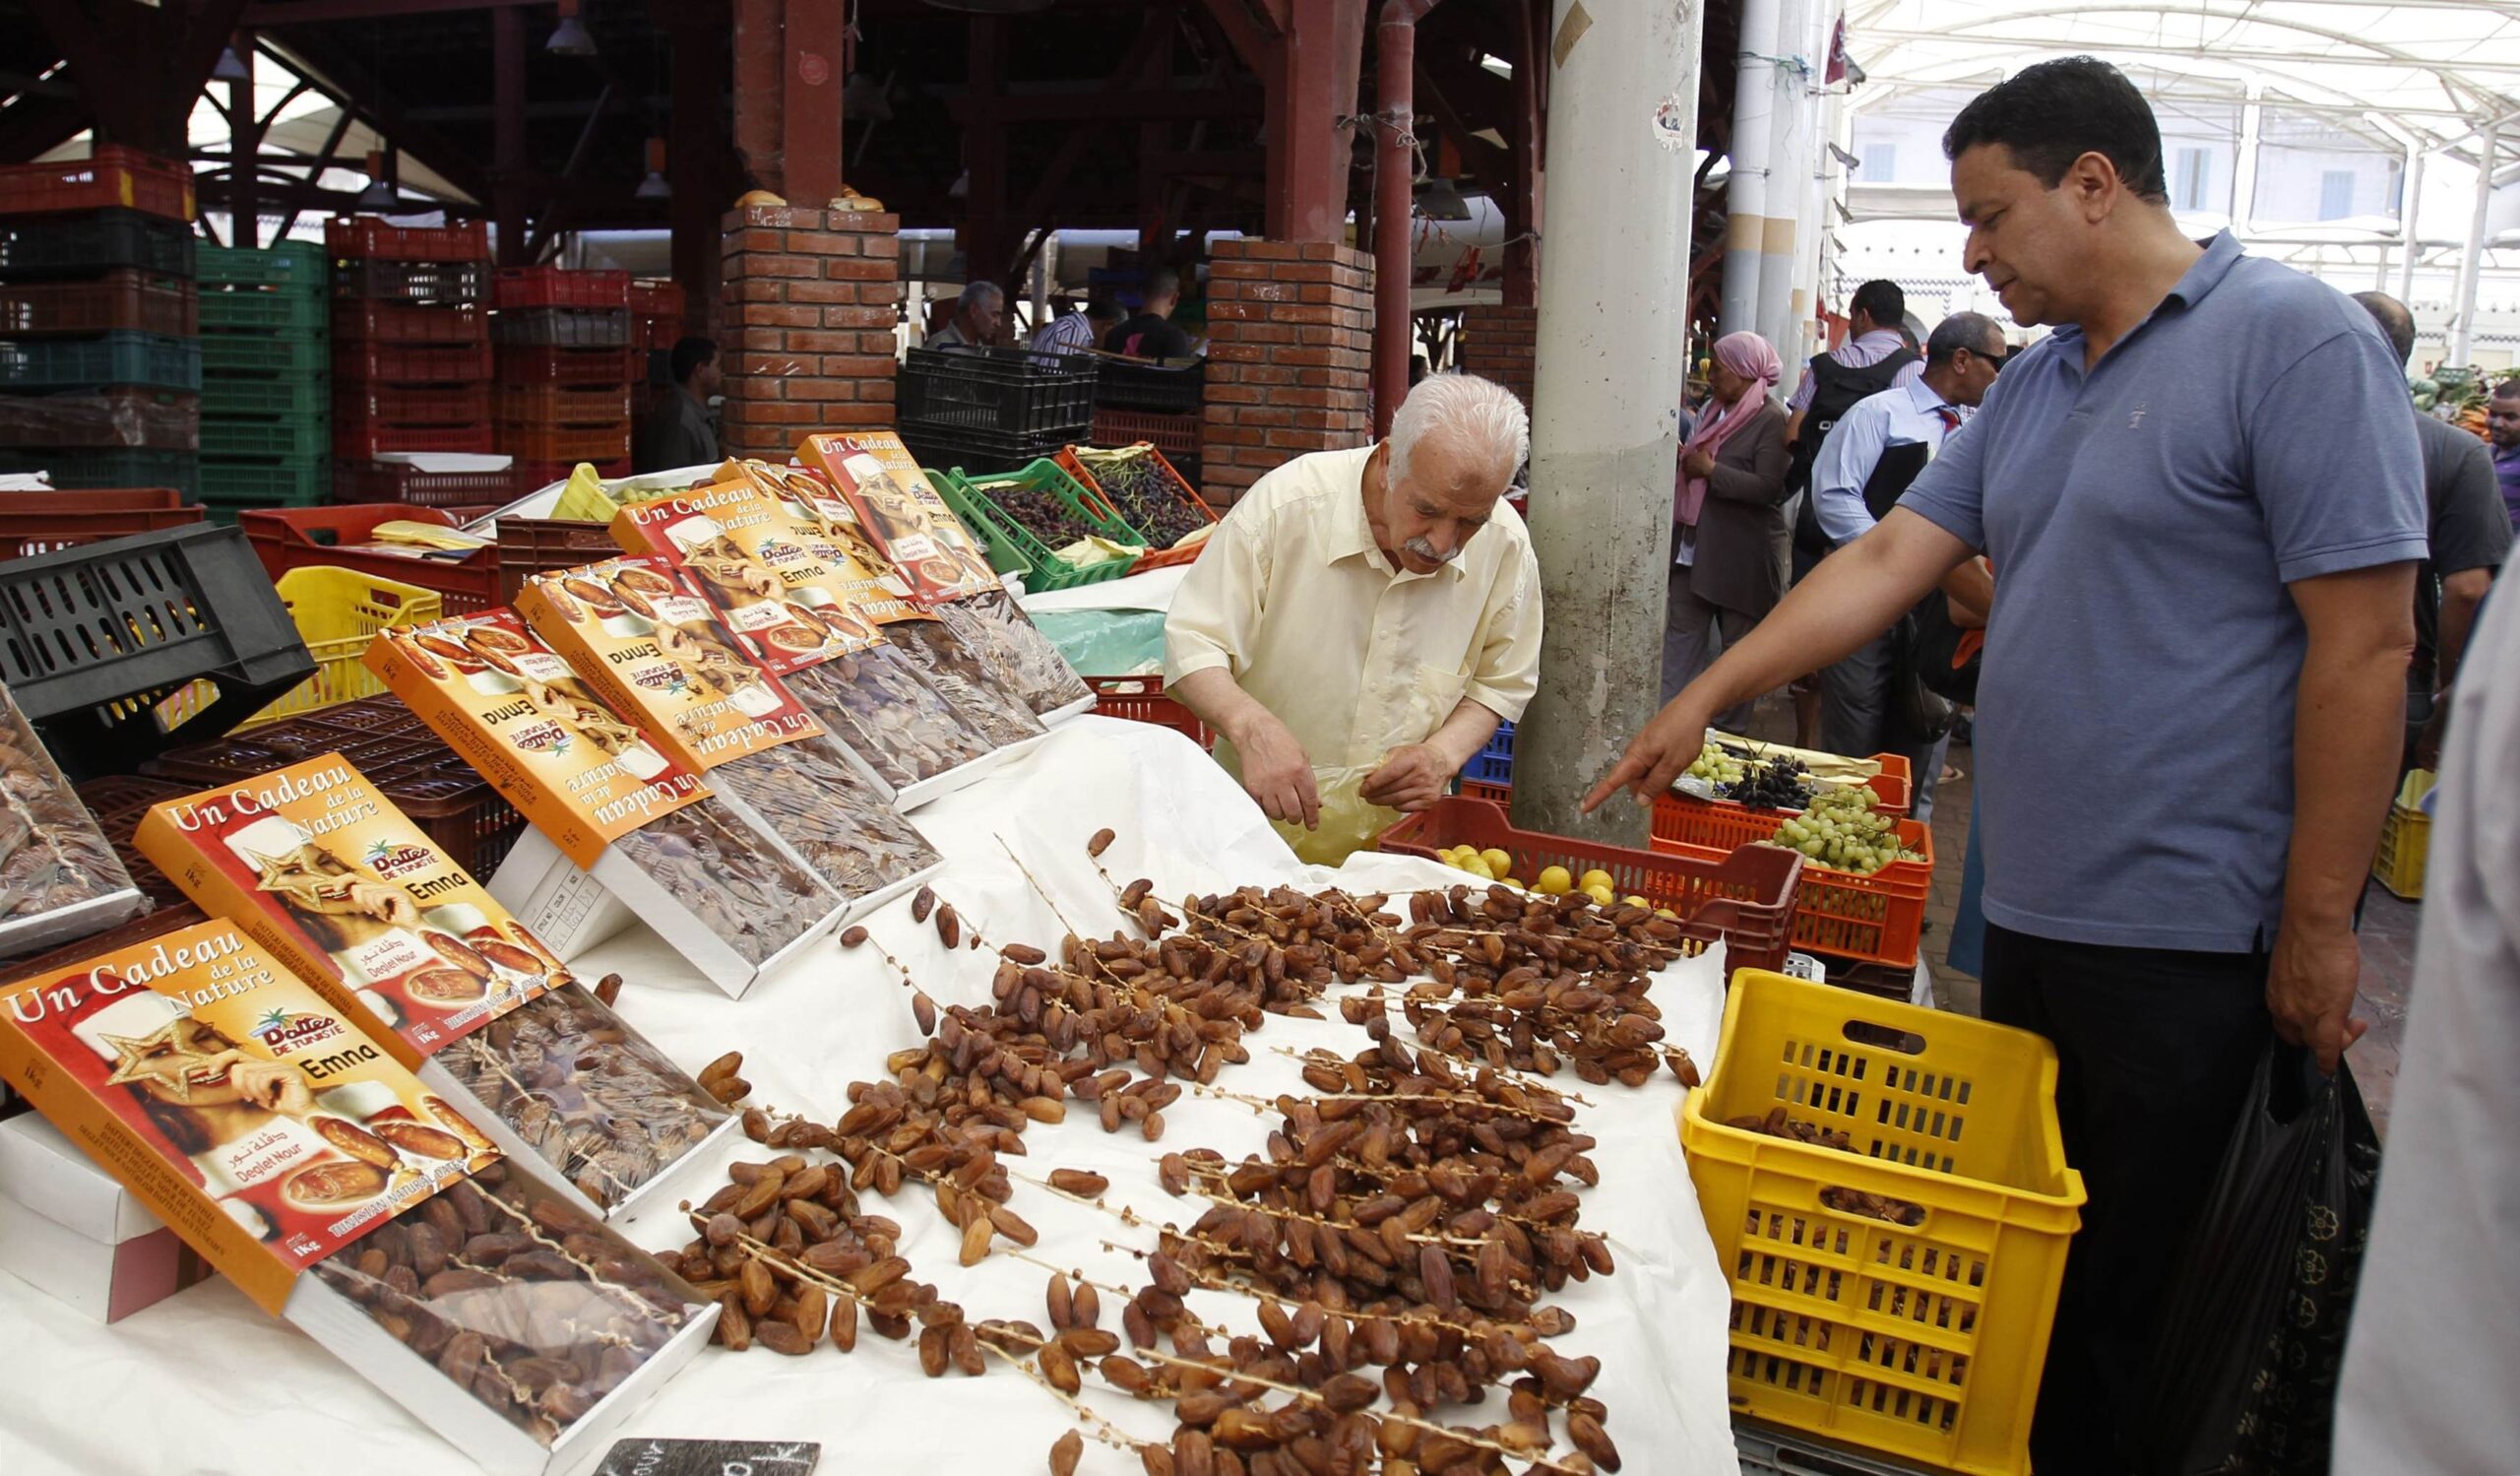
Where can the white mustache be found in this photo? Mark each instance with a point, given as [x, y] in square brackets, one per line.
[1427, 551]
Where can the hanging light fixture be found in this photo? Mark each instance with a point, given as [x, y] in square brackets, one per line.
[231, 67]
[961, 188]
[570, 38]
[379, 197]
[1437, 199]
[654, 188]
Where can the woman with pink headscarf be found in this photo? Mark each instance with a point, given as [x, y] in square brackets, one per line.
[1731, 535]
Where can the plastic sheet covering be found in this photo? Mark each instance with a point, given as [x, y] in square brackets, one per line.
[281, 1405]
[127, 418]
[1107, 642]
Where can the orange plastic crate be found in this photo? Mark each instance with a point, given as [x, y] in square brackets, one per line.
[533, 442]
[111, 176]
[367, 237]
[1875, 919]
[559, 286]
[562, 405]
[1744, 900]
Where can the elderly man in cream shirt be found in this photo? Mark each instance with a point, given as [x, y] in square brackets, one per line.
[1363, 620]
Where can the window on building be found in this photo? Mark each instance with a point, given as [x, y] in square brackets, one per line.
[2195, 173]
[2336, 194]
[1880, 162]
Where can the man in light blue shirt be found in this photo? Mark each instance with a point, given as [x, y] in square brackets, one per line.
[1870, 456]
[2205, 535]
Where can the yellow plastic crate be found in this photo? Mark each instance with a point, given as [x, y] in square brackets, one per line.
[1923, 1341]
[2406, 836]
[338, 612]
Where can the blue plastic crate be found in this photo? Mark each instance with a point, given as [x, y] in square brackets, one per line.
[1495, 762]
[148, 360]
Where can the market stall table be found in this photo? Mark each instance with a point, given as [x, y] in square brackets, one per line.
[203, 1381]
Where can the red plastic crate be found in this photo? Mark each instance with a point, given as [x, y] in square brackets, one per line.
[544, 364]
[367, 441]
[111, 176]
[1079, 467]
[541, 546]
[298, 538]
[411, 405]
[363, 320]
[535, 442]
[1744, 900]
[561, 404]
[350, 236]
[559, 287]
[456, 492]
[1140, 699]
[533, 476]
[118, 801]
[1876, 919]
[120, 300]
[40, 522]
[655, 335]
[656, 299]
[410, 363]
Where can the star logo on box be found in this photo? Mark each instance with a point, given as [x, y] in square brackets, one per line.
[287, 1034]
[394, 859]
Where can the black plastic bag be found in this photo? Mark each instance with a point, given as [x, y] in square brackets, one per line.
[2253, 1328]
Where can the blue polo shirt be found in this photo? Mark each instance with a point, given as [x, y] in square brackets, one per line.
[2134, 729]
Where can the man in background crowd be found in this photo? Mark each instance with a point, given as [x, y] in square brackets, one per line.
[2193, 692]
[1867, 461]
[2502, 421]
[2469, 534]
[1079, 332]
[680, 432]
[1151, 333]
[978, 313]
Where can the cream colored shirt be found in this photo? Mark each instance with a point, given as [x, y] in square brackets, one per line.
[1354, 656]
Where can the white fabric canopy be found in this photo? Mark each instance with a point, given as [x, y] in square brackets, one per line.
[205, 1382]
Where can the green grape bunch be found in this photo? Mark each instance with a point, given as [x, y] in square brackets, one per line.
[1841, 830]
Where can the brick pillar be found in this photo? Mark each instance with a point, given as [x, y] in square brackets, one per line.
[806, 324]
[1501, 342]
[1289, 337]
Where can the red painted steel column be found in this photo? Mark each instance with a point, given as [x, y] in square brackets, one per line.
[817, 42]
[1395, 67]
[761, 51]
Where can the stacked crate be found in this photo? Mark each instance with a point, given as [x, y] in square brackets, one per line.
[410, 343]
[266, 411]
[565, 366]
[100, 363]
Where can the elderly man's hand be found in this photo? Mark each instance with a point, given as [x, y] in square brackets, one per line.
[1277, 773]
[1411, 778]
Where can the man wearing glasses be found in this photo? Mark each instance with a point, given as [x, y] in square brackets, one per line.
[1870, 456]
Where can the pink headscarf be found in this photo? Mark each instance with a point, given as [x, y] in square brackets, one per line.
[1750, 356]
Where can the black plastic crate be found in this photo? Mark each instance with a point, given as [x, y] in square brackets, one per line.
[1000, 391]
[150, 361]
[412, 281]
[1169, 389]
[943, 450]
[85, 245]
[120, 650]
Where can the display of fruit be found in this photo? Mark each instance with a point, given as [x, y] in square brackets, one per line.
[1716, 766]
[1774, 783]
[1037, 510]
[1841, 830]
[1144, 496]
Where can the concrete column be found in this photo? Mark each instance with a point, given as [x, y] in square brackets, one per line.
[1745, 195]
[2463, 302]
[1791, 141]
[1604, 444]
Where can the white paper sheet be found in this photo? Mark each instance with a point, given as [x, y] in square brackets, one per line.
[204, 1382]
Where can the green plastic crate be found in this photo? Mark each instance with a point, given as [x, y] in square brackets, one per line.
[299, 395]
[233, 481]
[975, 505]
[292, 266]
[1003, 556]
[150, 361]
[306, 354]
[266, 436]
[117, 467]
[262, 310]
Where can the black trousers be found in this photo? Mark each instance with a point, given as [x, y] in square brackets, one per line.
[2155, 1049]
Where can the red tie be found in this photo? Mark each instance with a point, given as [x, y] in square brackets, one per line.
[1950, 418]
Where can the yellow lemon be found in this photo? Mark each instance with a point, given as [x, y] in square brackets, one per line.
[1666, 914]
[1497, 861]
[1596, 878]
[1633, 901]
[1555, 882]
[1601, 895]
[1513, 882]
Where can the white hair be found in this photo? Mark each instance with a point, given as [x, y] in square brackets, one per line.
[1478, 418]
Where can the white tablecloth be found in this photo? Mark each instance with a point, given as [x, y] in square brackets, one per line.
[202, 1382]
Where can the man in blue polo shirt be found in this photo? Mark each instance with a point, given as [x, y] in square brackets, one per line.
[2205, 535]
